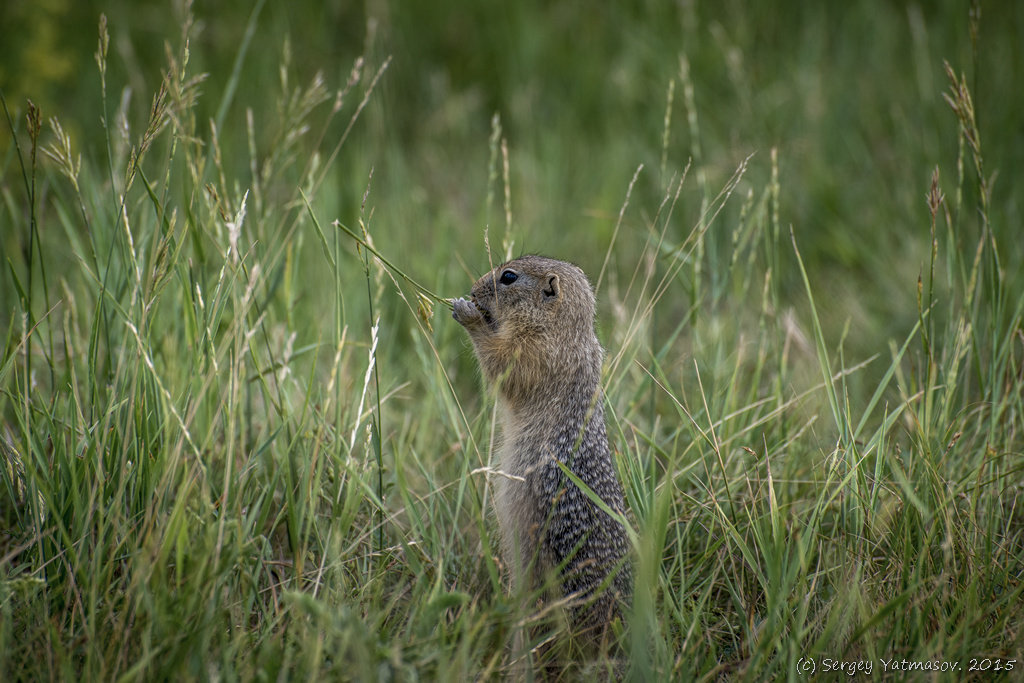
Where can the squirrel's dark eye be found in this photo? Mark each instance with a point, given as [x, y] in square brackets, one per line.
[508, 277]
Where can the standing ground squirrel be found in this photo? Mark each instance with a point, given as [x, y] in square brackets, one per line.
[531, 321]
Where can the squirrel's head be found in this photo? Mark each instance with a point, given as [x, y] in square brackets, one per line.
[530, 296]
[534, 312]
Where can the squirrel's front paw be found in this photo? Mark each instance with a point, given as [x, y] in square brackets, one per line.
[465, 312]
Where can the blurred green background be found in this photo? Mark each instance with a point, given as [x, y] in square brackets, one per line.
[850, 94]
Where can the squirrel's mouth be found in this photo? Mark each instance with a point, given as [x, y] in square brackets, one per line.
[486, 313]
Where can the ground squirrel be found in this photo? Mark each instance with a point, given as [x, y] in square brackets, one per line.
[531, 321]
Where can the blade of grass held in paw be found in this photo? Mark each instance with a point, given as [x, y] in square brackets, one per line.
[390, 266]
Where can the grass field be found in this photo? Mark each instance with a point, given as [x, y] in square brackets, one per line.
[238, 445]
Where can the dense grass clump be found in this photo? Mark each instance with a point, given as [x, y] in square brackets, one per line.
[240, 437]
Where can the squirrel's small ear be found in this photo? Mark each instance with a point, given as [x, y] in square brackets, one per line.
[552, 291]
